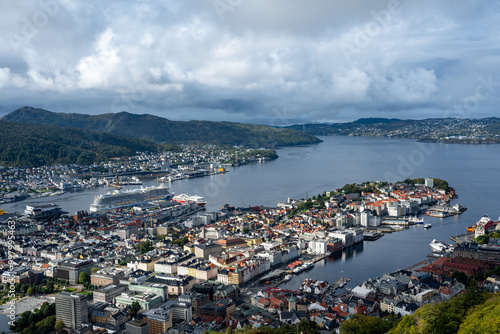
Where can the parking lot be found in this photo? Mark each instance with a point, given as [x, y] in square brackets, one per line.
[27, 304]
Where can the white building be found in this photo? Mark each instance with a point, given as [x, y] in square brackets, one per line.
[429, 182]
[317, 246]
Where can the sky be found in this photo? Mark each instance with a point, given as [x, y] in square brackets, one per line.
[273, 62]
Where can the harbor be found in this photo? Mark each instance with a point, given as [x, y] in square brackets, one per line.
[445, 211]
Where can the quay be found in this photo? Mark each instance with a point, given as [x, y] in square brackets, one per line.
[320, 257]
[462, 237]
[372, 236]
[340, 283]
[397, 221]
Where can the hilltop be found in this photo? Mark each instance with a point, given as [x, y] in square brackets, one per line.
[162, 130]
[32, 145]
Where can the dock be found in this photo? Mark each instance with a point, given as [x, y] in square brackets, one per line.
[320, 257]
[462, 237]
[340, 283]
[272, 275]
[446, 211]
[371, 236]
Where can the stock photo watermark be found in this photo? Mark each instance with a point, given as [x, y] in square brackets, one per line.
[223, 6]
[408, 164]
[130, 100]
[362, 36]
[483, 91]
[30, 25]
[11, 308]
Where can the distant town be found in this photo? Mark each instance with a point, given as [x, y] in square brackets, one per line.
[150, 262]
[192, 161]
[447, 130]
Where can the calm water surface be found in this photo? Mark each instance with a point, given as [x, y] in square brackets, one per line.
[473, 170]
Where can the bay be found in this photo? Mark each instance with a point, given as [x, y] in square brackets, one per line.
[300, 171]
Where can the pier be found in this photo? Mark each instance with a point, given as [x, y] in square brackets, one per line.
[340, 283]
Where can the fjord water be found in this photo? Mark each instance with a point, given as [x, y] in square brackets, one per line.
[300, 171]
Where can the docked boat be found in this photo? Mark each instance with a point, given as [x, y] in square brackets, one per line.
[439, 246]
[127, 198]
[185, 198]
[303, 267]
[287, 277]
[416, 220]
[427, 225]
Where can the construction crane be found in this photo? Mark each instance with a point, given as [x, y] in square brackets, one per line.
[116, 184]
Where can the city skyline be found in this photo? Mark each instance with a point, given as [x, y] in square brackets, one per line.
[254, 62]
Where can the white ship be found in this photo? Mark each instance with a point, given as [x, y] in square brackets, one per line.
[439, 246]
[125, 198]
[185, 198]
[415, 220]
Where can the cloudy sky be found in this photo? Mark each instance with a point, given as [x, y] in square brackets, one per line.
[260, 61]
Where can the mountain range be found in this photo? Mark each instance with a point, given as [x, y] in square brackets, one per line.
[35, 137]
[162, 130]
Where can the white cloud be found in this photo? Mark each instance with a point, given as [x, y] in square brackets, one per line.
[261, 56]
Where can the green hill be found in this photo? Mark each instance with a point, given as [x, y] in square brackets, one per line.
[471, 312]
[165, 131]
[32, 145]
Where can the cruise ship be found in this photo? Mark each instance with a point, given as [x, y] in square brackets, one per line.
[185, 198]
[125, 198]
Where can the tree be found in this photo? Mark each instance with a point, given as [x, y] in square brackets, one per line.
[30, 291]
[94, 270]
[144, 246]
[84, 277]
[482, 318]
[368, 325]
[459, 277]
[59, 325]
[135, 307]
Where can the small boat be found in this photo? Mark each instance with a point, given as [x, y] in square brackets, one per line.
[471, 228]
[427, 225]
[288, 277]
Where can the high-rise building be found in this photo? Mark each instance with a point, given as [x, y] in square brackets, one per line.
[137, 327]
[72, 309]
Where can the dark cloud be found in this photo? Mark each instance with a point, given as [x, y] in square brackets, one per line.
[273, 62]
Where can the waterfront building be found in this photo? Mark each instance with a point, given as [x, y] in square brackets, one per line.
[475, 251]
[317, 246]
